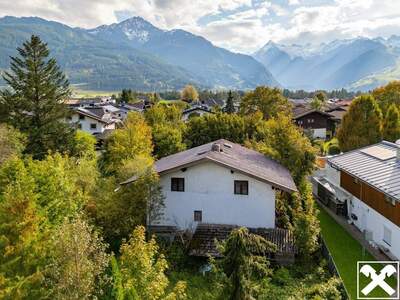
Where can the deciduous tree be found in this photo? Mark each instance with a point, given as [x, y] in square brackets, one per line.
[78, 261]
[269, 101]
[34, 104]
[167, 129]
[12, 142]
[117, 209]
[189, 94]
[142, 270]
[387, 95]
[21, 255]
[211, 127]
[129, 142]
[281, 139]
[167, 140]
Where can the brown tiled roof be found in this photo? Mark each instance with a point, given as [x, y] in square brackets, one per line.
[233, 156]
[204, 239]
[302, 110]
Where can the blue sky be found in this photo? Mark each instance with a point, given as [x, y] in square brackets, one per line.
[239, 25]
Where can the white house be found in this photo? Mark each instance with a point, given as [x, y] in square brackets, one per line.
[221, 183]
[367, 182]
[94, 120]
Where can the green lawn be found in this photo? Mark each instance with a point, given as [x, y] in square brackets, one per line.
[346, 251]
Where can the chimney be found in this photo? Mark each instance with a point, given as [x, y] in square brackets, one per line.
[216, 147]
[398, 151]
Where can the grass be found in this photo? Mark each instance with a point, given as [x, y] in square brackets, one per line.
[346, 251]
[80, 93]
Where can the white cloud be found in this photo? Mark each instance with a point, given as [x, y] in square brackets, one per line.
[241, 25]
[293, 2]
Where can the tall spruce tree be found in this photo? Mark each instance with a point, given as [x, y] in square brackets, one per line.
[245, 261]
[361, 125]
[229, 107]
[391, 124]
[33, 103]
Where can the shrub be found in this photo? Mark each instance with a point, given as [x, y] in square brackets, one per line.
[333, 149]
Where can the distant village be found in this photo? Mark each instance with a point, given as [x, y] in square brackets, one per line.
[101, 115]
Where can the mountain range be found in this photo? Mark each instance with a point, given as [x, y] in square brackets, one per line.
[355, 64]
[134, 54]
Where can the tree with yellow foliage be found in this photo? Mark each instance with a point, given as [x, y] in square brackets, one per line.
[189, 94]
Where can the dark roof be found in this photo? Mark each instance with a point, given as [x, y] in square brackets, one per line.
[203, 240]
[211, 102]
[97, 113]
[197, 107]
[304, 110]
[233, 156]
[337, 114]
[375, 165]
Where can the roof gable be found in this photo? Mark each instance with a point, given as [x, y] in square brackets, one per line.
[233, 156]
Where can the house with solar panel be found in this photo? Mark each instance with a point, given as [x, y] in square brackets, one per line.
[363, 185]
[213, 188]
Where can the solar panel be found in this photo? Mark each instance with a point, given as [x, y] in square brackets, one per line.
[379, 152]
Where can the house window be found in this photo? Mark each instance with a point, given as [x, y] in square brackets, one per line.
[81, 117]
[198, 216]
[387, 235]
[79, 126]
[93, 125]
[178, 184]
[69, 118]
[241, 187]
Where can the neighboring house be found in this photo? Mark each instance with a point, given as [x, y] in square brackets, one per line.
[84, 102]
[366, 182]
[338, 111]
[195, 111]
[321, 125]
[94, 120]
[125, 108]
[221, 184]
[211, 102]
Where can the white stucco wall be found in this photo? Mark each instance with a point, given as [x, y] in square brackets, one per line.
[210, 188]
[319, 133]
[85, 124]
[370, 220]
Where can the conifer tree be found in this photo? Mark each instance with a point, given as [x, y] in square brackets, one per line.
[391, 124]
[229, 107]
[361, 125]
[33, 103]
[244, 260]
